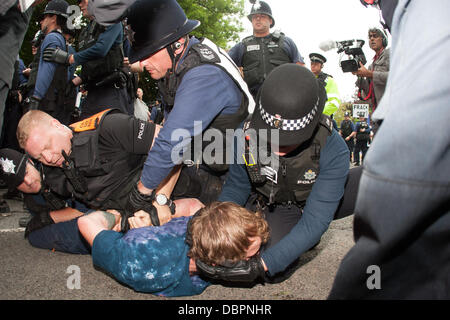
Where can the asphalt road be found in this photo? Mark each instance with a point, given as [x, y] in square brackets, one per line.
[33, 274]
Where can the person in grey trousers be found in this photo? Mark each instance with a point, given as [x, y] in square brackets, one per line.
[402, 218]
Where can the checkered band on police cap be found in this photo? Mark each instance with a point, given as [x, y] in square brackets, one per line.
[288, 124]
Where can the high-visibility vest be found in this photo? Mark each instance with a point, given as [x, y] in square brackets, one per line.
[333, 101]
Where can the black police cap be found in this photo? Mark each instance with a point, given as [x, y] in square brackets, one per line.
[290, 100]
[317, 57]
[13, 167]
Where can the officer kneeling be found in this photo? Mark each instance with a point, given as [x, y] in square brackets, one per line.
[300, 188]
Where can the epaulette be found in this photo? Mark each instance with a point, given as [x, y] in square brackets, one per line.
[90, 123]
[326, 122]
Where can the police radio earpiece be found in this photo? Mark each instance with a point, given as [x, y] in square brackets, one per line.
[177, 45]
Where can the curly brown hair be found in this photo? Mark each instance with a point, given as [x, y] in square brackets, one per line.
[220, 232]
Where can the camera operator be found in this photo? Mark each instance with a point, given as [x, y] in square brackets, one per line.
[372, 80]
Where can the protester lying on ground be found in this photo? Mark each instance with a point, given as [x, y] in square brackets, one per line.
[157, 259]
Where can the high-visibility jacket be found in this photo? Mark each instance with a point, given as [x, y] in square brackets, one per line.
[333, 101]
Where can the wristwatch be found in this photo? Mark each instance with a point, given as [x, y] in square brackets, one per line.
[162, 200]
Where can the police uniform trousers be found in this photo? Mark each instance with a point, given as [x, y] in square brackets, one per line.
[199, 182]
[62, 236]
[106, 97]
[281, 219]
[11, 116]
[350, 145]
[360, 146]
[4, 90]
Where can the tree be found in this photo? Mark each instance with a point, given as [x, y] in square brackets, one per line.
[220, 19]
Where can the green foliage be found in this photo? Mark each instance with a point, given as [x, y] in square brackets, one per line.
[344, 107]
[221, 20]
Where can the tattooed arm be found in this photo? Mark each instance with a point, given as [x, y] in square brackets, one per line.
[94, 223]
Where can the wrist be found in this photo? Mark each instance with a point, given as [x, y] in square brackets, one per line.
[162, 200]
[144, 190]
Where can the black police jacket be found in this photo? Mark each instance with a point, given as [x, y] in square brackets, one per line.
[94, 71]
[107, 176]
[262, 55]
[292, 182]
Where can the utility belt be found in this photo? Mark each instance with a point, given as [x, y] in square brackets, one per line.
[261, 203]
[363, 136]
[117, 79]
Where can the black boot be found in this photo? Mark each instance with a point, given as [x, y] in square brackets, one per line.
[4, 207]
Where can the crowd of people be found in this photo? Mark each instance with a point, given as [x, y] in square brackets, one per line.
[167, 202]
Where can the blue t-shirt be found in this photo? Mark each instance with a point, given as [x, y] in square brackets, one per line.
[150, 259]
[318, 212]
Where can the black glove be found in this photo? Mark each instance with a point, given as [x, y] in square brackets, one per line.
[138, 201]
[41, 216]
[56, 55]
[31, 103]
[242, 271]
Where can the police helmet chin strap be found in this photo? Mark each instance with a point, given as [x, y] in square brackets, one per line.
[176, 57]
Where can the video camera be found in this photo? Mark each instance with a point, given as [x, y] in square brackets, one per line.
[353, 49]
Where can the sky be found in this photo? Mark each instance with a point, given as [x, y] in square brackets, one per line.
[310, 22]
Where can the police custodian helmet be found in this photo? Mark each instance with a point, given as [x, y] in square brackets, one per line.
[292, 101]
[157, 24]
[261, 7]
[58, 7]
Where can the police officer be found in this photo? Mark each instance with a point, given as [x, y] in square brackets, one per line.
[362, 134]
[53, 92]
[100, 155]
[333, 102]
[33, 67]
[261, 52]
[348, 132]
[200, 87]
[300, 183]
[45, 205]
[100, 53]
